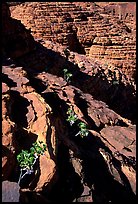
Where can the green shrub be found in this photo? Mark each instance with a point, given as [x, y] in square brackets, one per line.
[115, 82]
[67, 75]
[72, 117]
[26, 159]
[83, 130]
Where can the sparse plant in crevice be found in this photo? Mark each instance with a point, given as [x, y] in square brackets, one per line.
[115, 82]
[26, 159]
[83, 130]
[67, 75]
[72, 117]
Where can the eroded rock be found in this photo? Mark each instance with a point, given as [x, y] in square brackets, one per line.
[35, 113]
[98, 168]
[106, 31]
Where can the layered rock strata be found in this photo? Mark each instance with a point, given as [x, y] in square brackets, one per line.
[99, 32]
[100, 167]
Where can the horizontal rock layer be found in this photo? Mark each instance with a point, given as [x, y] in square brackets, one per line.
[86, 28]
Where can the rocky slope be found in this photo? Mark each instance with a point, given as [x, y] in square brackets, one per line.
[104, 31]
[100, 167]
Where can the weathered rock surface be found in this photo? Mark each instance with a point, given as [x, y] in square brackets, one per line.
[10, 191]
[30, 113]
[101, 121]
[35, 98]
[106, 31]
[8, 129]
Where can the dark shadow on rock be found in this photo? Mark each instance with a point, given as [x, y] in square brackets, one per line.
[37, 84]
[73, 41]
[26, 197]
[8, 81]
[68, 186]
[83, 105]
[59, 108]
[49, 143]
[19, 109]
[24, 139]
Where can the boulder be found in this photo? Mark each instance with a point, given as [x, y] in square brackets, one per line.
[10, 191]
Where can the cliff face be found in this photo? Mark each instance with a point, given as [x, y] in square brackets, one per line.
[125, 10]
[104, 31]
[100, 167]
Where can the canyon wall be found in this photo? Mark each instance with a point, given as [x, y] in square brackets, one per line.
[103, 31]
[99, 167]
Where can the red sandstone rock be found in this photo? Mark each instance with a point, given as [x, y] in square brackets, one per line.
[37, 121]
[8, 143]
[100, 22]
[117, 137]
[34, 107]
[122, 140]
[5, 88]
[101, 115]
[47, 172]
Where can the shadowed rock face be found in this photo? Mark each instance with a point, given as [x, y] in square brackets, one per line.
[16, 40]
[35, 98]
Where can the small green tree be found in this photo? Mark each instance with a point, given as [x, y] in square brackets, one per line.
[72, 117]
[83, 130]
[27, 159]
[67, 75]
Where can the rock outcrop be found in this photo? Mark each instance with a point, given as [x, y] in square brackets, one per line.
[100, 167]
[99, 29]
[29, 113]
[8, 128]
